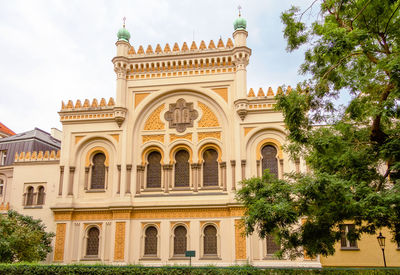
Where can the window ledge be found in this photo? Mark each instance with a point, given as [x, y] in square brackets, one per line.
[90, 258]
[149, 258]
[350, 249]
[206, 257]
[181, 189]
[33, 206]
[271, 258]
[210, 188]
[149, 189]
[95, 191]
[179, 258]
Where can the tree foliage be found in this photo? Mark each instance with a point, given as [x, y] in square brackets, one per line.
[23, 238]
[354, 153]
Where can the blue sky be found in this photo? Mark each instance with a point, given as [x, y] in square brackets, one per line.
[60, 50]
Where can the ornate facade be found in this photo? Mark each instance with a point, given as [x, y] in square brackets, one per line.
[145, 177]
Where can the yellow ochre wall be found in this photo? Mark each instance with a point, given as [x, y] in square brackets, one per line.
[368, 255]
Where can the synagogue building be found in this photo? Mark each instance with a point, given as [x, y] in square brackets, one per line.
[151, 173]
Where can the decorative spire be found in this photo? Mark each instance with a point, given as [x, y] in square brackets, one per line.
[239, 8]
[124, 19]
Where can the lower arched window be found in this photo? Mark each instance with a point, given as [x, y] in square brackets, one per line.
[98, 171]
[269, 160]
[29, 196]
[210, 168]
[1, 187]
[180, 240]
[92, 247]
[210, 240]
[272, 246]
[182, 169]
[154, 170]
[40, 195]
[150, 241]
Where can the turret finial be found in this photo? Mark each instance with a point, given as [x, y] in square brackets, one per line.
[123, 19]
[239, 8]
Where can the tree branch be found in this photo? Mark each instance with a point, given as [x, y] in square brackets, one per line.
[390, 18]
[340, 62]
[359, 13]
[309, 7]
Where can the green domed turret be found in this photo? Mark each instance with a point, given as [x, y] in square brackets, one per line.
[123, 34]
[240, 23]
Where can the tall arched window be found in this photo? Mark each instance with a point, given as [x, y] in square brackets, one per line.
[210, 240]
[180, 233]
[92, 248]
[154, 170]
[182, 168]
[150, 241]
[210, 168]
[98, 171]
[40, 195]
[269, 160]
[29, 196]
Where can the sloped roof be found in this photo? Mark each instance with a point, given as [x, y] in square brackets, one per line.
[6, 130]
[36, 134]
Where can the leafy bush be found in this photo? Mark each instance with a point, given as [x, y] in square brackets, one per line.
[11, 269]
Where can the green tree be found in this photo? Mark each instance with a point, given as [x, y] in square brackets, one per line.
[23, 238]
[354, 153]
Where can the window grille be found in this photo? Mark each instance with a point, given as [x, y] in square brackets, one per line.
[150, 241]
[92, 248]
[180, 241]
[154, 170]
[269, 160]
[41, 194]
[98, 171]
[182, 169]
[210, 240]
[210, 168]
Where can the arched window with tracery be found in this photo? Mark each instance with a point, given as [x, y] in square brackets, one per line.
[40, 195]
[210, 168]
[182, 169]
[98, 171]
[154, 170]
[92, 246]
[269, 160]
[210, 240]
[150, 241]
[180, 240]
[29, 196]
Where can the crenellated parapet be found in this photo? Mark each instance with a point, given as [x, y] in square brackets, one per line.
[94, 110]
[87, 105]
[36, 156]
[262, 102]
[269, 94]
[175, 61]
[176, 50]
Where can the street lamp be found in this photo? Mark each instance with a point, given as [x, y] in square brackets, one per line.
[381, 241]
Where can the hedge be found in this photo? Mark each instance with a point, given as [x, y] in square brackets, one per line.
[11, 269]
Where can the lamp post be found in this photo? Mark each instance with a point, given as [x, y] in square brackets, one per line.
[381, 241]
